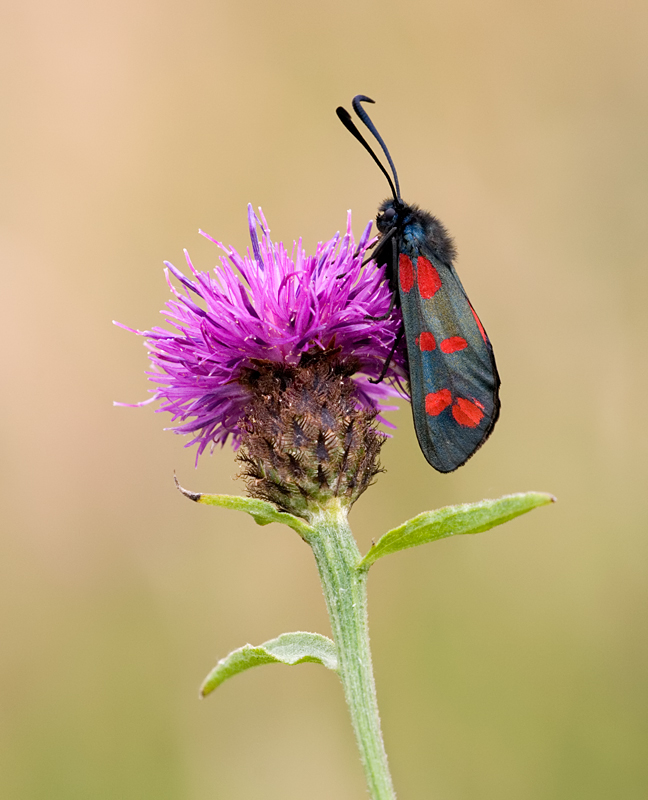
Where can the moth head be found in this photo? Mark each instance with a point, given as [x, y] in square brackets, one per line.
[389, 215]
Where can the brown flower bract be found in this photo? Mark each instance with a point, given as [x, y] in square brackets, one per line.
[305, 438]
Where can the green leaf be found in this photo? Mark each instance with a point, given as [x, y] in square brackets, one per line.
[289, 648]
[453, 520]
[263, 513]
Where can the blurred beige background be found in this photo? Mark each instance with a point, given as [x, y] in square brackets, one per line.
[509, 665]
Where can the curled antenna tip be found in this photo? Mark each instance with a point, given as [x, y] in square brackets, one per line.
[366, 119]
[347, 121]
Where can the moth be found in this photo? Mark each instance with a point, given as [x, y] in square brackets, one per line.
[453, 378]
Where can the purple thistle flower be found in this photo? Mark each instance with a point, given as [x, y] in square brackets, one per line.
[269, 305]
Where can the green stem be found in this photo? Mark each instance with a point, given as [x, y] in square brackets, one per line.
[345, 591]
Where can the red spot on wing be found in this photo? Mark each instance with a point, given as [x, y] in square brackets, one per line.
[453, 344]
[405, 273]
[467, 413]
[479, 325]
[429, 281]
[436, 402]
[426, 341]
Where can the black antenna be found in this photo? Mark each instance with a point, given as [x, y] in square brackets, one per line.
[361, 98]
[345, 119]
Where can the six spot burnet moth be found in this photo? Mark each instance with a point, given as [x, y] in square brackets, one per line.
[454, 383]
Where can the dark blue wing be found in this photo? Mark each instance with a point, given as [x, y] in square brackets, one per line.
[453, 377]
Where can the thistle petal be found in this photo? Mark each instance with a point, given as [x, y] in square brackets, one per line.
[270, 305]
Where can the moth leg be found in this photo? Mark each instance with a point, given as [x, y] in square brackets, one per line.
[383, 372]
[392, 273]
[380, 244]
[370, 247]
[392, 303]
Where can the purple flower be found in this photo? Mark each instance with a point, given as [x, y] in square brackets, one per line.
[269, 305]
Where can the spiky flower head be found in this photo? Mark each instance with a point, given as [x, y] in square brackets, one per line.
[258, 321]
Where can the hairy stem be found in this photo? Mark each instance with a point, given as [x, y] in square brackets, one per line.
[345, 591]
